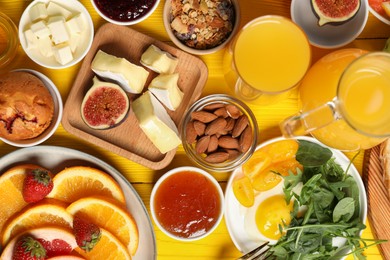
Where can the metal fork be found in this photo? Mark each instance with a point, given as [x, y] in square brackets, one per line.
[260, 252]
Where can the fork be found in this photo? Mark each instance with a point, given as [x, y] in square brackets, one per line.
[257, 253]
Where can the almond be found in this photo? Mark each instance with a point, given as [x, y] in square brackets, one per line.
[233, 111]
[233, 153]
[230, 124]
[246, 139]
[216, 126]
[190, 133]
[203, 116]
[221, 112]
[240, 125]
[199, 127]
[217, 157]
[228, 142]
[213, 107]
[213, 144]
[202, 144]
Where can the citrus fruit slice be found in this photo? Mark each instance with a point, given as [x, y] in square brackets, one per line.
[109, 216]
[11, 185]
[77, 182]
[62, 241]
[243, 191]
[108, 248]
[49, 212]
[66, 257]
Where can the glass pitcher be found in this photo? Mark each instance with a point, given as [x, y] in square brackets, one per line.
[345, 100]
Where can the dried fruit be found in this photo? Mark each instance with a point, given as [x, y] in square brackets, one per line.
[335, 11]
[105, 105]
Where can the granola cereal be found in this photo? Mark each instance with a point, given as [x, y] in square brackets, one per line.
[202, 24]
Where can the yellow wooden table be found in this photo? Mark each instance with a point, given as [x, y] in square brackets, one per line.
[218, 245]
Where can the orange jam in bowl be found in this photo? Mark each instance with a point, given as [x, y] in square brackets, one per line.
[187, 203]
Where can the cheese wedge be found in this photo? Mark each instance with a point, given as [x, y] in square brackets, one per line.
[130, 77]
[165, 88]
[158, 60]
[156, 123]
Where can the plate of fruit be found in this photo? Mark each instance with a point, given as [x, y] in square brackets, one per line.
[70, 204]
[380, 9]
[299, 196]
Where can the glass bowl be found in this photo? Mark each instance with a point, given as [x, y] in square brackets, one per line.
[8, 40]
[237, 155]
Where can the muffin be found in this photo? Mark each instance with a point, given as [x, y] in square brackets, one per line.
[26, 106]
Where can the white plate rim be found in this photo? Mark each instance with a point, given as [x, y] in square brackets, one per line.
[147, 248]
[231, 202]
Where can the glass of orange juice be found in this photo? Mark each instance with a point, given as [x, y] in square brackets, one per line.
[345, 100]
[268, 58]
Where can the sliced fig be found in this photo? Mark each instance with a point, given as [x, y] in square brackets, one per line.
[335, 11]
[105, 105]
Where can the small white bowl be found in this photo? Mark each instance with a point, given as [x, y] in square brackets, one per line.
[329, 35]
[138, 20]
[57, 114]
[184, 47]
[178, 171]
[85, 40]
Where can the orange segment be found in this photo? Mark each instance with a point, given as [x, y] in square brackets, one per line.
[107, 215]
[108, 247]
[42, 214]
[259, 161]
[77, 182]
[243, 191]
[11, 185]
[282, 150]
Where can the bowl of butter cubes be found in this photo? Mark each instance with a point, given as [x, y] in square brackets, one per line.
[56, 34]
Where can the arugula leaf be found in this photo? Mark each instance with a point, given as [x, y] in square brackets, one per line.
[311, 154]
[344, 210]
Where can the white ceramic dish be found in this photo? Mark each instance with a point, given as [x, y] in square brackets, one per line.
[382, 18]
[329, 35]
[235, 212]
[175, 171]
[140, 19]
[57, 158]
[85, 40]
[57, 115]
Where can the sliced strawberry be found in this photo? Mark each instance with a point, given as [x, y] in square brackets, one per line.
[37, 184]
[56, 247]
[87, 234]
[28, 248]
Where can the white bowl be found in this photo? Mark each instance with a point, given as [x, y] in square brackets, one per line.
[57, 114]
[184, 47]
[382, 18]
[178, 171]
[329, 35]
[85, 40]
[140, 19]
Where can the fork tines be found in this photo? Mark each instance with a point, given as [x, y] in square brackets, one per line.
[254, 253]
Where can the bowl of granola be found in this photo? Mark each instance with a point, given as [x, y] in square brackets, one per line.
[201, 27]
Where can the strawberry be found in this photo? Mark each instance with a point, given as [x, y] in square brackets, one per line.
[87, 234]
[28, 248]
[37, 184]
[56, 247]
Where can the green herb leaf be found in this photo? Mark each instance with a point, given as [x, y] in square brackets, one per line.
[344, 210]
[311, 154]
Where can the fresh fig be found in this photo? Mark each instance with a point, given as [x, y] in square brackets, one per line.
[331, 11]
[105, 105]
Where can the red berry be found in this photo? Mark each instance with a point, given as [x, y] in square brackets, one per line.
[37, 184]
[56, 247]
[28, 248]
[87, 234]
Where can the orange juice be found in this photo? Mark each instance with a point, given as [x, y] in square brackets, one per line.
[319, 86]
[271, 54]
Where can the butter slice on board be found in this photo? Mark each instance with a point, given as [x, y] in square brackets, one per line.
[156, 123]
[165, 88]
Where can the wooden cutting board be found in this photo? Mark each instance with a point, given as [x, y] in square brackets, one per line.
[378, 199]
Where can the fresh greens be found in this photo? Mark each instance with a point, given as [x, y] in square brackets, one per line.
[331, 197]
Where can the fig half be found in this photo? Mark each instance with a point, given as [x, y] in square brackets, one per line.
[105, 105]
[331, 11]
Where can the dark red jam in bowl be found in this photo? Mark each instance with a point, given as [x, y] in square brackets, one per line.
[187, 204]
[125, 10]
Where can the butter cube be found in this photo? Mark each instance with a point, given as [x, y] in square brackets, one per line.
[57, 27]
[74, 42]
[129, 76]
[76, 24]
[63, 54]
[31, 39]
[158, 60]
[38, 12]
[40, 29]
[156, 123]
[54, 9]
[165, 88]
[45, 46]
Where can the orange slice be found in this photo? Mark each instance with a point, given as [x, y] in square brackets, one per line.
[46, 233]
[43, 214]
[108, 247]
[78, 182]
[243, 191]
[109, 216]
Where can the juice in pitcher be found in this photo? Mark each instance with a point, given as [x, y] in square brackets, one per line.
[361, 95]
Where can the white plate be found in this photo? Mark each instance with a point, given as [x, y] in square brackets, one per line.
[57, 158]
[380, 17]
[235, 212]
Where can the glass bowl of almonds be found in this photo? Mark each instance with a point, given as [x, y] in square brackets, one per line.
[219, 132]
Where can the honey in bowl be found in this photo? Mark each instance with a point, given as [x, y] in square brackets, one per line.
[187, 204]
